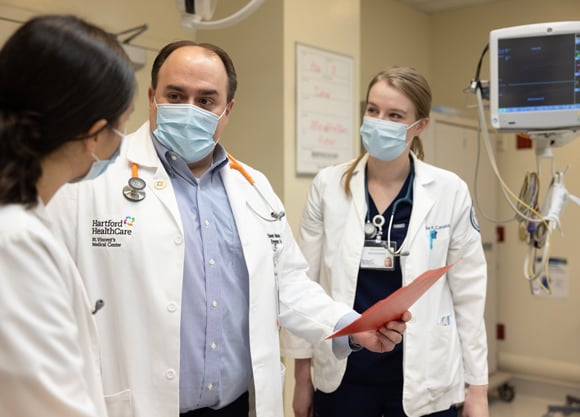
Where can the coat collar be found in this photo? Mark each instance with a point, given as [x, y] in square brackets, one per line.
[424, 196]
[140, 148]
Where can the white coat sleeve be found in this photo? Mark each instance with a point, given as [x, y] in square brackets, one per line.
[468, 283]
[41, 365]
[310, 239]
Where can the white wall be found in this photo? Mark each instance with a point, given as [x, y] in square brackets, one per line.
[393, 34]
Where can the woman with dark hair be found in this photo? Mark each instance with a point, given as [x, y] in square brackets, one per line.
[66, 91]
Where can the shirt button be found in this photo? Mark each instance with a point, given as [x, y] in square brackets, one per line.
[170, 374]
[171, 307]
[214, 303]
[206, 223]
[213, 345]
[210, 387]
[211, 262]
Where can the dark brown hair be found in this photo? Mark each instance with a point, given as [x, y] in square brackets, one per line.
[58, 76]
[225, 58]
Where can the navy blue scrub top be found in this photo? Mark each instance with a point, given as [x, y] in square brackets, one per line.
[365, 367]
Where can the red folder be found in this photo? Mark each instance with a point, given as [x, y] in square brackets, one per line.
[392, 307]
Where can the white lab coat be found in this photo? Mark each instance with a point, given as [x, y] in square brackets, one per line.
[49, 363]
[139, 276]
[445, 342]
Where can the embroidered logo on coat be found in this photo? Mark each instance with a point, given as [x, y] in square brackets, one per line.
[105, 233]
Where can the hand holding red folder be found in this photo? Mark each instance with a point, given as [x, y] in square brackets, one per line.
[393, 307]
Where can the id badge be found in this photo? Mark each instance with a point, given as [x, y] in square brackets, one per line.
[376, 256]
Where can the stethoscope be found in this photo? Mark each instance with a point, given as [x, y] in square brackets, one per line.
[275, 215]
[374, 229]
[135, 188]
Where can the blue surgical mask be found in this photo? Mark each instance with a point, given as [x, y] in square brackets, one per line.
[100, 165]
[187, 130]
[384, 139]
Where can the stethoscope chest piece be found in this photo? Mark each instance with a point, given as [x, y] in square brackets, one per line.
[137, 183]
[370, 230]
[134, 191]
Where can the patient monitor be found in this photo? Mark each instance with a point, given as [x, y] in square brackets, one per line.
[535, 81]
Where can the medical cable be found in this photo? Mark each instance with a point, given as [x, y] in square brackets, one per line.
[554, 204]
[508, 194]
[475, 186]
[529, 194]
[530, 272]
[477, 87]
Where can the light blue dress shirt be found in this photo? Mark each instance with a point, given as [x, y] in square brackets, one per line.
[215, 362]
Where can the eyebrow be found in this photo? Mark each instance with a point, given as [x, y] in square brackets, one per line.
[394, 110]
[209, 92]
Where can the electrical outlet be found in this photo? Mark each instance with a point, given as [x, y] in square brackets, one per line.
[500, 331]
[523, 141]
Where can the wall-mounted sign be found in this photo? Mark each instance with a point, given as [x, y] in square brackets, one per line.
[324, 108]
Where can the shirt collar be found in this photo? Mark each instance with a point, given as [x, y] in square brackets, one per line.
[176, 165]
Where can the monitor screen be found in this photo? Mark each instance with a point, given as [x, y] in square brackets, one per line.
[535, 77]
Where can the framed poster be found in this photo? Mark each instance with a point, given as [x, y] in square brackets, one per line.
[324, 108]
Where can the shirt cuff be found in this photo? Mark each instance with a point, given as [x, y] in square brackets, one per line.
[341, 346]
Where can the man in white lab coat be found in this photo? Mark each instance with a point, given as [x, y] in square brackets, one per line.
[194, 259]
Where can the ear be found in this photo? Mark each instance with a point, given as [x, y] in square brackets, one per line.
[93, 134]
[422, 125]
[230, 106]
[150, 94]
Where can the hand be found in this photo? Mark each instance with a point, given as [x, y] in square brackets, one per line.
[384, 339]
[475, 404]
[303, 389]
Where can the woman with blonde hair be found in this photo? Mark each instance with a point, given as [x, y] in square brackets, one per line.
[374, 224]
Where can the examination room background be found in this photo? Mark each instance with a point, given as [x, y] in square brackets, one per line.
[541, 333]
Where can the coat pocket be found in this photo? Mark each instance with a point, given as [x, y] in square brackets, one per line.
[120, 404]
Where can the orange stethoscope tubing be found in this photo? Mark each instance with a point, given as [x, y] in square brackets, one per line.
[134, 170]
[134, 191]
[234, 164]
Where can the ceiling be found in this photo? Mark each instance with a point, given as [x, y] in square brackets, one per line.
[434, 6]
